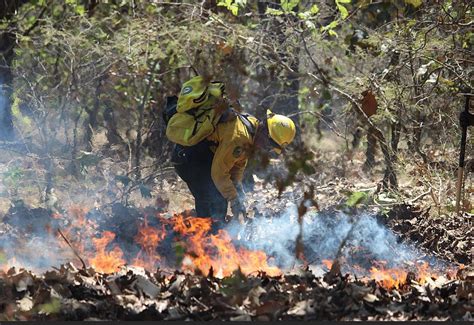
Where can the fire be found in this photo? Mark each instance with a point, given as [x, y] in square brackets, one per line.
[388, 278]
[327, 263]
[79, 216]
[218, 251]
[104, 261]
[149, 238]
[396, 277]
[203, 251]
[424, 273]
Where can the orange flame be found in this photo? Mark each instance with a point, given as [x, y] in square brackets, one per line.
[388, 278]
[79, 216]
[149, 239]
[218, 251]
[396, 278]
[327, 263]
[106, 262]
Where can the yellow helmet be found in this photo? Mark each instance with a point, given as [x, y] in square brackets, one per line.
[281, 129]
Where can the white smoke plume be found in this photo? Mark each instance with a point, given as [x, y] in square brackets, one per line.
[323, 234]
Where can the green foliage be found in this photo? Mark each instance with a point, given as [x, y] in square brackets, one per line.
[12, 176]
[330, 28]
[20, 119]
[232, 5]
[289, 5]
[414, 3]
[342, 9]
[234, 284]
[60, 64]
[356, 198]
[274, 12]
[179, 251]
[308, 16]
[52, 307]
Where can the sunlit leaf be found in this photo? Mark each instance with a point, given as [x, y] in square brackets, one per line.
[289, 5]
[314, 9]
[356, 198]
[234, 9]
[80, 10]
[342, 9]
[414, 3]
[330, 26]
[274, 12]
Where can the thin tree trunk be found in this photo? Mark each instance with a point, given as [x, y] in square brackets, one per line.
[396, 130]
[7, 41]
[141, 109]
[113, 136]
[371, 149]
[91, 123]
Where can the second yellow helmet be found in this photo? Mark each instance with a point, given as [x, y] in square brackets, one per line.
[281, 129]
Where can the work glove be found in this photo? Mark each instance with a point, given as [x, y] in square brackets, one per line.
[466, 119]
[240, 191]
[237, 207]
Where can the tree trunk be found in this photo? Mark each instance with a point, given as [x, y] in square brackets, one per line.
[396, 130]
[113, 136]
[371, 149]
[91, 122]
[7, 41]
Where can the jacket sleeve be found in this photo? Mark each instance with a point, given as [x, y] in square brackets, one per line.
[223, 170]
[237, 172]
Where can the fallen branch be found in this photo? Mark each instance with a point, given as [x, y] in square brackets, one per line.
[72, 248]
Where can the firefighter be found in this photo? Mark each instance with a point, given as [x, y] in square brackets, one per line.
[213, 169]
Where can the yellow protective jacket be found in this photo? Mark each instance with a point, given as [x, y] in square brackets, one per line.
[234, 143]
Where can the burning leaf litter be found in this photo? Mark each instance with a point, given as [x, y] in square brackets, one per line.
[136, 294]
[376, 277]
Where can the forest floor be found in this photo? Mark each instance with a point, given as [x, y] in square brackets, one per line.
[368, 254]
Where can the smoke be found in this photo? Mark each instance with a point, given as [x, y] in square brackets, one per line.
[37, 253]
[368, 240]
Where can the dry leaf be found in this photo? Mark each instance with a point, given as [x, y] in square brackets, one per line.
[369, 103]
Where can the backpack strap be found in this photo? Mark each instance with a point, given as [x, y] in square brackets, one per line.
[245, 120]
[231, 113]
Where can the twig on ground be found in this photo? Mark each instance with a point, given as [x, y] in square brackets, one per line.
[72, 248]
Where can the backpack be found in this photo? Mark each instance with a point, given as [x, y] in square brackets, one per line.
[193, 117]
